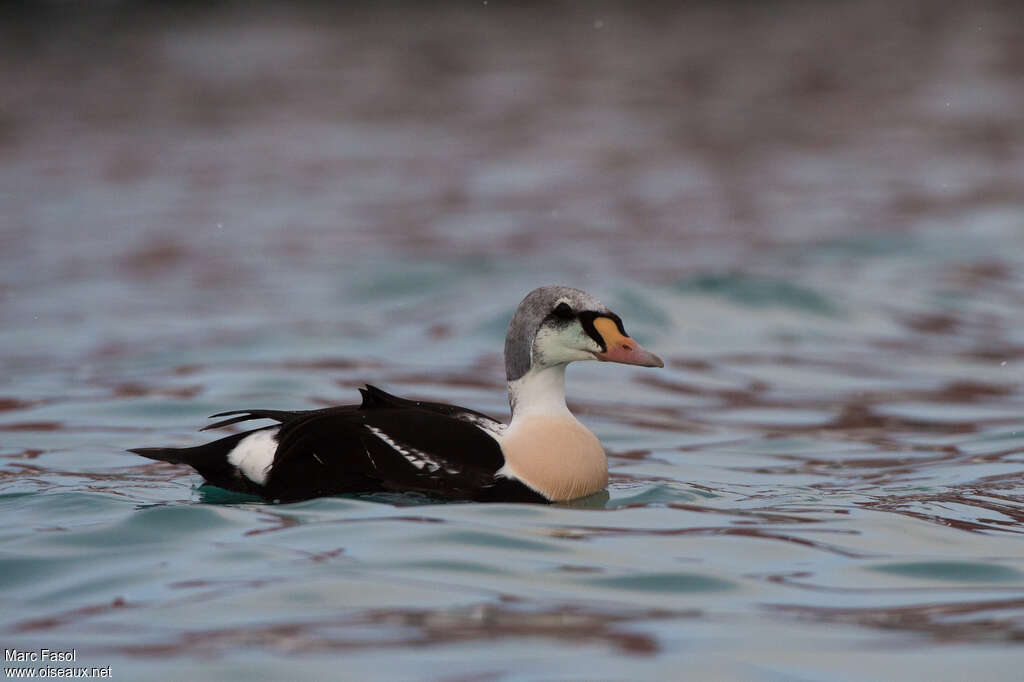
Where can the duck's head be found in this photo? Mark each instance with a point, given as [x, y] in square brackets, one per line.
[555, 325]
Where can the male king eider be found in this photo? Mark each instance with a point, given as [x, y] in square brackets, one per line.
[392, 444]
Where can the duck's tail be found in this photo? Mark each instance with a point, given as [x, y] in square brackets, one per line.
[210, 460]
[172, 455]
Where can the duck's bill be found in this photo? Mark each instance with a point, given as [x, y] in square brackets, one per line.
[622, 348]
[630, 353]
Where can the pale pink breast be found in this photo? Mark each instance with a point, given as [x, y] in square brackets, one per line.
[555, 455]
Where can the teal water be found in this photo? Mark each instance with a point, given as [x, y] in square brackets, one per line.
[825, 482]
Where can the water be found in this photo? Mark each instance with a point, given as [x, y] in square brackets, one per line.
[821, 233]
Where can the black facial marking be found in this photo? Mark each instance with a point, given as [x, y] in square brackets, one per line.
[561, 315]
[587, 320]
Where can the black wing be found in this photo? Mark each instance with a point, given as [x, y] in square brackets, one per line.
[389, 444]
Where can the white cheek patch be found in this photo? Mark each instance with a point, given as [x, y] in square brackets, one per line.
[254, 455]
[553, 347]
[417, 458]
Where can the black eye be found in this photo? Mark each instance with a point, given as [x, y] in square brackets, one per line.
[563, 310]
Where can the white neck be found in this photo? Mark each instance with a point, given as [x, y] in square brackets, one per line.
[546, 447]
[539, 391]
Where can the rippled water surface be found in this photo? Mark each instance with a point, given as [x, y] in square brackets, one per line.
[813, 213]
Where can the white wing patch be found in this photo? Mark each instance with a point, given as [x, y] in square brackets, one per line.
[417, 458]
[254, 455]
[491, 427]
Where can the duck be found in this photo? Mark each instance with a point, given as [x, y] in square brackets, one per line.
[392, 444]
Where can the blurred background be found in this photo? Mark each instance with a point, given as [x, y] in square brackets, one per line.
[813, 211]
[187, 162]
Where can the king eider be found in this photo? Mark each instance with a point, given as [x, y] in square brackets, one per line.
[389, 443]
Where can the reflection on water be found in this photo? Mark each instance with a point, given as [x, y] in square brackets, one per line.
[813, 214]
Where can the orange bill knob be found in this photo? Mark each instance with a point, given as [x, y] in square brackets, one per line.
[621, 348]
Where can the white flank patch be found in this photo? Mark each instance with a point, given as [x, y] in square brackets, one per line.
[254, 455]
[506, 472]
[417, 458]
